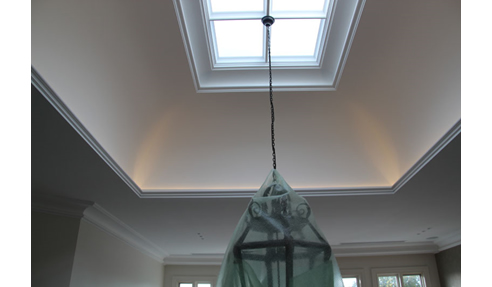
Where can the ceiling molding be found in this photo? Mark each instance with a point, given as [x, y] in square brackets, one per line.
[65, 112]
[247, 193]
[211, 259]
[384, 249]
[429, 155]
[449, 241]
[342, 250]
[107, 222]
[60, 206]
[58, 104]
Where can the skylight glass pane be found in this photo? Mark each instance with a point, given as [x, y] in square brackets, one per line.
[294, 37]
[297, 5]
[236, 5]
[239, 38]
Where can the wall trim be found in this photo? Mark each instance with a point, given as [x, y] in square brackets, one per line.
[383, 249]
[194, 259]
[101, 218]
[57, 205]
[342, 250]
[58, 104]
[449, 241]
[65, 112]
[429, 155]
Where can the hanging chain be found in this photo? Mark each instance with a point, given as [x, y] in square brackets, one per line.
[272, 109]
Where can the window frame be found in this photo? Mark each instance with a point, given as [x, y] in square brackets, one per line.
[195, 280]
[262, 61]
[399, 272]
[354, 272]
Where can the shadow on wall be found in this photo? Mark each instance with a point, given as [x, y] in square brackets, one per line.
[449, 267]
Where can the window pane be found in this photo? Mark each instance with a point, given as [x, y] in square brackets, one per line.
[239, 38]
[350, 282]
[236, 5]
[295, 37]
[412, 281]
[185, 284]
[296, 5]
[388, 281]
[204, 285]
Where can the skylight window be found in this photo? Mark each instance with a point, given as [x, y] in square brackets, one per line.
[237, 38]
[225, 43]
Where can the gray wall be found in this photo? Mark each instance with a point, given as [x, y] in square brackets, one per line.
[102, 260]
[53, 243]
[67, 251]
[449, 266]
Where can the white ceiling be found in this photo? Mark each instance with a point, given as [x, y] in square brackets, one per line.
[120, 67]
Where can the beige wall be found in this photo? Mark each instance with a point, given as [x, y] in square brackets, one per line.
[363, 264]
[53, 243]
[101, 260]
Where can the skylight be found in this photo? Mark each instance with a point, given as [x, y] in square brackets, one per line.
[237, 38]
[225, 43]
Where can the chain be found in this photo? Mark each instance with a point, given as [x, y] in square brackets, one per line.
[272, 109]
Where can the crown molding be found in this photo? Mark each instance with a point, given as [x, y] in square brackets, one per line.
[429, 155]
[101, 218]
[247, 193]
[65, 112]
[60, 206]
[194, 259]
[342, 250]
[384, 248]
[449, 241]
[58, 104]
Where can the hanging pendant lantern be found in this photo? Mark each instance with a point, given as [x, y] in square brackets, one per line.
[277, 242]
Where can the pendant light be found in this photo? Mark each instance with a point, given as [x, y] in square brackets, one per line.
[277, 242]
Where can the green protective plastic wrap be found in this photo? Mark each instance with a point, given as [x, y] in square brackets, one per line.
[278, 244]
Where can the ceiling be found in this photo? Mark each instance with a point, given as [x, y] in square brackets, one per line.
[120, 71]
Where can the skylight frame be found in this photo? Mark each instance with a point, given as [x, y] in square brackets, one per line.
[261, 62]
[344, 18]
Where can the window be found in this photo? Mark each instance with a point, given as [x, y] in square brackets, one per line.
[350, 282]
[194, 281]
[237, 38]
[401, 277]
[352, 277]
[196, 284]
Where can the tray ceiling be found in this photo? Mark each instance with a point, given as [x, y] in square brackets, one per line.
[119, 70]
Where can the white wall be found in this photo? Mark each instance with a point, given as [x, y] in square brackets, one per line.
[363, 264]
[101, 260]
